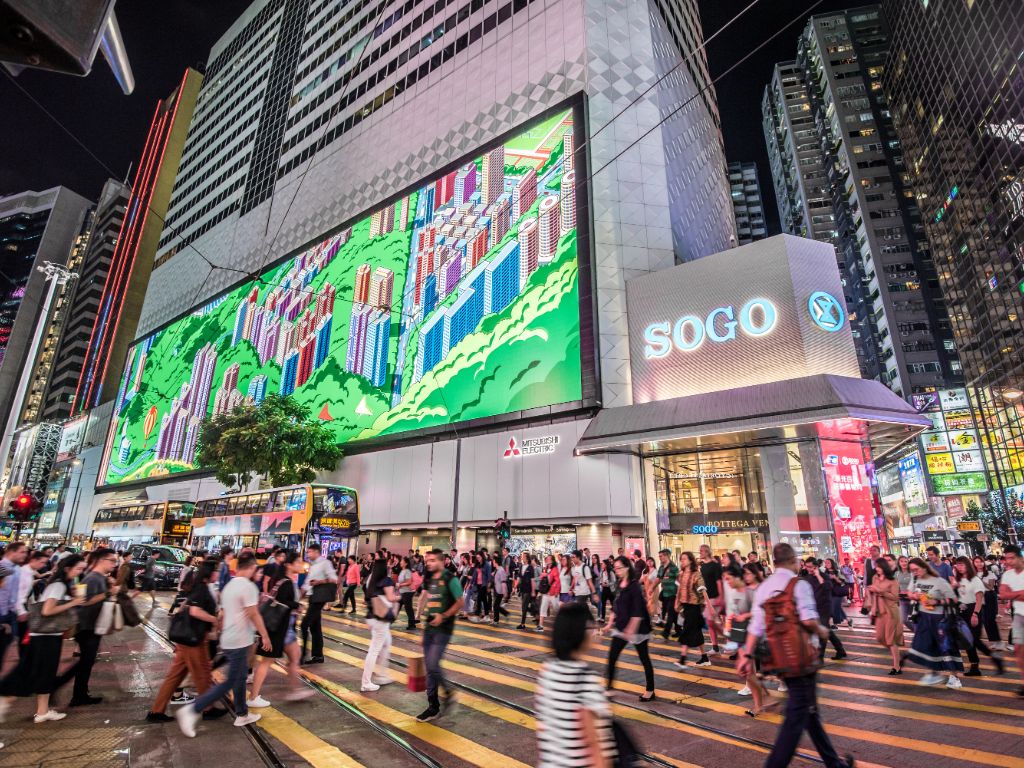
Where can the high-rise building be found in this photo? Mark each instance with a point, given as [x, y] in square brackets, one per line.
[501, 279]
[953, 81]
[568, 202]
[465, 184]
[529, 249]
[429, 294]
[257, 389]
[35, 227]
[382, 285]
[362, 289]
[747, 203]
[524, 193]
[492, 175]
[308, 90]
[357, 337]
[375, 353]
[62, 355]
[549, 220]
[841, 178]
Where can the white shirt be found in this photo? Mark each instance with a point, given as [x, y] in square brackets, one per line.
[238, 630]
[55, 591]
[320, 570]
[773, 585]
[564, 581]
[579, 573]
[26, 578]
[968, 591]
[1015, 581]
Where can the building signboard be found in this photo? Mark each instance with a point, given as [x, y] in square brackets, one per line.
[961, 482]
[776, 305]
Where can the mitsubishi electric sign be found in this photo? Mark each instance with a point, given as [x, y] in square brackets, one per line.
[764, 312]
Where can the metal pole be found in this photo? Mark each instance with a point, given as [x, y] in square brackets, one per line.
[57, 275]
[74, 507]
[455, 506]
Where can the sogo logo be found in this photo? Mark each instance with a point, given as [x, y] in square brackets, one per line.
[756, 318]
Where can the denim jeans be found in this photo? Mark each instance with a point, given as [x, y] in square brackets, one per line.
[434, 645]
[238, 670]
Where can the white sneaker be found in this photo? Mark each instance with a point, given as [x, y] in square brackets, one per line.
[299, 694]
[187, 719]
[680, 665]
[258, 703]
[5, 707]
[371, 688]
[538, 629]
[782, 687]
[185, 698]
[954, 683]
[744, 691]
[382, 681]
[930, 679]
[248, 719]
[248, 679]
[51, 714]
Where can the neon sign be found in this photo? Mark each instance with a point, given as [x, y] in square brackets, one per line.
[756, 318]
[705, 530]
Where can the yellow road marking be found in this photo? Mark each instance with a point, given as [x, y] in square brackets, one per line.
[304, 742]
[914, 744]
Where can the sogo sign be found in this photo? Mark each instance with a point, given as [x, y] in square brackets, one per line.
[756, 318]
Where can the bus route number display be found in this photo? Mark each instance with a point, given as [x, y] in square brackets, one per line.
[339, 525]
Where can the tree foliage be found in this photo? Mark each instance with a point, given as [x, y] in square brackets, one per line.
[992, 516]
[277, 439]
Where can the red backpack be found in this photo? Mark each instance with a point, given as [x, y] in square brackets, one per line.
[789, 651]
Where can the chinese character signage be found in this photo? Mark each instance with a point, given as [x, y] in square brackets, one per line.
[849, 496]
[951, 447]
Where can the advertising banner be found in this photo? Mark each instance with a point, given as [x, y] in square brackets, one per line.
[912, 478]
[963, 482]
[849, 496]
[459, 302]
[72, 437]
[940, 463]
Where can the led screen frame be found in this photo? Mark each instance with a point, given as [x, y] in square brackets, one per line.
[586, 311]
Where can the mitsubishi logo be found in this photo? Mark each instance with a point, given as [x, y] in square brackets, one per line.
[513, 449]
[826, 311]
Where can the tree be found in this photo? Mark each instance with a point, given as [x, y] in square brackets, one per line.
[276, 439]
[992, 516]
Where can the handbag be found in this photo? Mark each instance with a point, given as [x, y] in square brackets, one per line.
[274, 614]
[59, 624]
[129, 613]
[109, 619]
[183, 630]
[738, 631]
[960, 629]
[382, 608]
[323, 593]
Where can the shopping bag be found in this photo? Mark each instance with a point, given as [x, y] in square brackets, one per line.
[106, 621]
[417, 674]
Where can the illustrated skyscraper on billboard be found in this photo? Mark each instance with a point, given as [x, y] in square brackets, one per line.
[493, 175]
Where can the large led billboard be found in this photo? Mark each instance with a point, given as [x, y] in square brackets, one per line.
[455, 303]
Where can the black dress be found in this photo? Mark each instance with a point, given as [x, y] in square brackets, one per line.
[285, 594]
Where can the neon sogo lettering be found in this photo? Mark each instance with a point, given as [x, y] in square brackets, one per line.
[756, 318]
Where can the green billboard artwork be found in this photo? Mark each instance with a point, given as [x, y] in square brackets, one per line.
[457, 302]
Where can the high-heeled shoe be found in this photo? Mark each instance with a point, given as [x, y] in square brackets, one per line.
[652, 697]
[895, 671]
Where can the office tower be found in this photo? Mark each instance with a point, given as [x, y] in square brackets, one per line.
[403, 214]
[257, 389]
[289, 371]
[953, 83]
[429, 352]
[375, 353]
[462, 318]
[201, 381]
[382, 285]
[568, 201]
[747, 203]
[35, 227]
[465, 184]
[362, 289]
[126, 279]
[357, 338]
[60, 357]
[841, 178]
[362, 123]
[492, 176]
[501, 279]
[549, 219]
[529, 249]
[429, 294]
[524, 193]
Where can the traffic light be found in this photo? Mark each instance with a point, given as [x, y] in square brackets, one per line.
[25, 508]
[503, 528]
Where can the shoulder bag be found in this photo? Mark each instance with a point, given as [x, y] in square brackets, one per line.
[61, 623]
[183, 630]
[109, 619]
[274, 614]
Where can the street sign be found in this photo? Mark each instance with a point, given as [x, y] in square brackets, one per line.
[968, 526]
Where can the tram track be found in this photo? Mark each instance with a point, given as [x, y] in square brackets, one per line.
[268, 755]
[646, 757]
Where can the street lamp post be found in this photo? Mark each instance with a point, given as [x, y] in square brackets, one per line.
[58, 275]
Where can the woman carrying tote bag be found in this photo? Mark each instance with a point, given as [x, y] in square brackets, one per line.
[51, 617]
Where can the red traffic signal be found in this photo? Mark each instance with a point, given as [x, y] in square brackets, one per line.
[25, 508]
[23, 502]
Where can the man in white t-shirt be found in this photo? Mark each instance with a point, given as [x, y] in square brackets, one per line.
[1011, 587]
[582, 579]
[240, 620]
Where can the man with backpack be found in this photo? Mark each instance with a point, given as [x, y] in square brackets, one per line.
[440, 602]
[783, 622]
[582, 580]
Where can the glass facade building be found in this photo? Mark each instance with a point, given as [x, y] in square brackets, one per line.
[955, 86]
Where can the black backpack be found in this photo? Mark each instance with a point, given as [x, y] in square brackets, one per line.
[544, 585]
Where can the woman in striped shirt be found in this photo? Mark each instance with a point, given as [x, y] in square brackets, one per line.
[573, 716]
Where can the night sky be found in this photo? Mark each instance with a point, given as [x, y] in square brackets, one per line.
[37, 154]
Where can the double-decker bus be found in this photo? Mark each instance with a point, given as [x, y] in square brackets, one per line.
[289, 517]
[151, 522]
